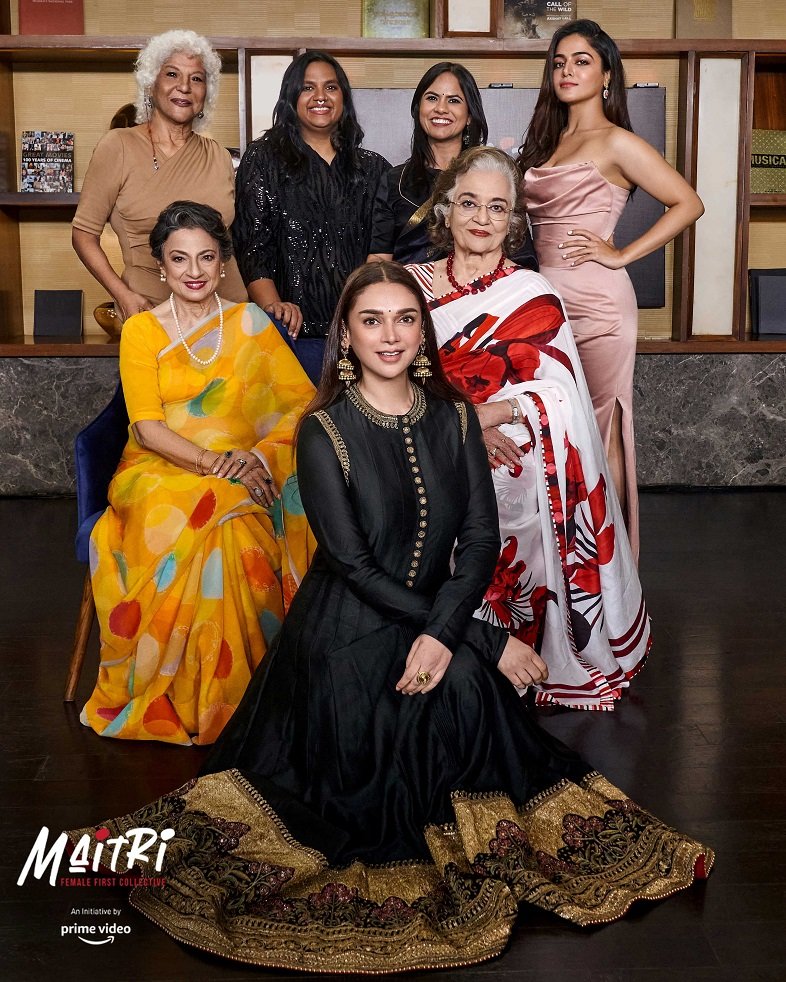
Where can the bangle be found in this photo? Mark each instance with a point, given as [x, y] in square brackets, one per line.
[198, 463]
[516, 412]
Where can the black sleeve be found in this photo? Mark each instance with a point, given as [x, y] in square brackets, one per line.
[475, 556]
[255, 228]
[343, 544]
[383, 226]
[525, 254]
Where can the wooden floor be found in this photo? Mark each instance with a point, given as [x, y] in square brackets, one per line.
[700, 740]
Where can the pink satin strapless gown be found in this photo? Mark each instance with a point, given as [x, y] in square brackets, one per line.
[600, 302]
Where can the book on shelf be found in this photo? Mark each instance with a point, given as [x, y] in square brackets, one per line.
[51, 17]
[703, 18]
[47, 161]
[534, 19]
[768, 162]
[395, 18]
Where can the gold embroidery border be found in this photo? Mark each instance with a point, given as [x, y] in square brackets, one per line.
[336, 439]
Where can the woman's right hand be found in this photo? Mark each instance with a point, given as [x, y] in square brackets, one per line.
[288, 313]
[521, 664]
[130, 303]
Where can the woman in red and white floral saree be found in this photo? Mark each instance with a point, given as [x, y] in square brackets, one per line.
[566, 582]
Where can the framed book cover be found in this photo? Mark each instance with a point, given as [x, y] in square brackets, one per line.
[703, 18]
[396, 18]
[469, 18]
[47, 161]
[51, 17]
[533, 20]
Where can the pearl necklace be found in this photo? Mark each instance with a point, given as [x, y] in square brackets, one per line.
[469, 287]
[212, 358]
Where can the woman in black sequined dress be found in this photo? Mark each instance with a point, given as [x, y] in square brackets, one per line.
[304, 200]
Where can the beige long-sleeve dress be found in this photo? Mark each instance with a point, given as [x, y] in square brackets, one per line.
[123, 187]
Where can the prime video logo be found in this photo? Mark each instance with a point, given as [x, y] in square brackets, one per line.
[92, 852]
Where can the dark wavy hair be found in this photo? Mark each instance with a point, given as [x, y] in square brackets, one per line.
[551, 116]
[478, 129]
[284, 136]
[330, 389]
[190, 214]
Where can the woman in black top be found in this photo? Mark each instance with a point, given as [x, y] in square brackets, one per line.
[448, 117]
[305, 194]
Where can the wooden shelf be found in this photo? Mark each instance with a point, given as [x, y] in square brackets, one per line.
[38, 199]
[712, 346]
[768, 200]
[91, 346]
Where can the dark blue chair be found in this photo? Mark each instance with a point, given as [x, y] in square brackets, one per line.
[97, 451]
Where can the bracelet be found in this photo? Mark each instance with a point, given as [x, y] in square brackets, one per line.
[514, 406]
[198, 463]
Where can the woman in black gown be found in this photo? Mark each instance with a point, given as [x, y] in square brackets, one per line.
[381, 800]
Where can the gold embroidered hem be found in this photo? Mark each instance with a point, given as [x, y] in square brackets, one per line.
[238, 884]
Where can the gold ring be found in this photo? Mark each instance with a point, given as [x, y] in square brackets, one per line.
[423, 678]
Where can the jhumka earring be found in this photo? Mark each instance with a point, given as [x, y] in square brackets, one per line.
[421, 366]
[346, 370]
[163, 275]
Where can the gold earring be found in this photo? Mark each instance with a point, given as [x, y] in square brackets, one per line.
[421, 366]
[346, 370]
[162, 274]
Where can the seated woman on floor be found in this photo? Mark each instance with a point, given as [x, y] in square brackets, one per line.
[382, 799]
[204, 541]
[565, 582]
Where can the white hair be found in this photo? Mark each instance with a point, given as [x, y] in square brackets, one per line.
[153, 56]
[483, 159]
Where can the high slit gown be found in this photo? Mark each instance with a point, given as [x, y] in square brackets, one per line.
[600, 302]
[340, 826]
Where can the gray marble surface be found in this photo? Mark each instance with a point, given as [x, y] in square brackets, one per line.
[701, 420]
[44, 402]
[710, 420]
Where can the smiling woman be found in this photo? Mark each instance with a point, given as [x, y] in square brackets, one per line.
[137, 171]
[447, 117]
[204, 541]
[305, 195]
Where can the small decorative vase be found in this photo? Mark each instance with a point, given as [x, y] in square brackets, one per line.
[107, 319]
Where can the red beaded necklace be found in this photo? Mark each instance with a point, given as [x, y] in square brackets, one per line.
[478, 285]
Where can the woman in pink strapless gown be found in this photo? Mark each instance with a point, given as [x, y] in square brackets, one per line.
[580, 162]
[600, 302]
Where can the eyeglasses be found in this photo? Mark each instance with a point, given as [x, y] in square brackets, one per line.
[468, 208]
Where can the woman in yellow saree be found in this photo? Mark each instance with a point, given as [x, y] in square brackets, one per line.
[204, 541]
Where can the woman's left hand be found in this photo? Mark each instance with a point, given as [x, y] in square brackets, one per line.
[584, 246]
[427, 662]
[246, 467]
[502, 451]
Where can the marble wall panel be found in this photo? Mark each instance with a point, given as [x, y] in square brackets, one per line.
[701, 420]
[44, 402]
[711, 420]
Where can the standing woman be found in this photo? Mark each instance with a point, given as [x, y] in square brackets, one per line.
[135, 172]
[581, 161]
[305, 193]
[447, 117]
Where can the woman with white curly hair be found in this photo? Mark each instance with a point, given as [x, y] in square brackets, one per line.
[137, 172]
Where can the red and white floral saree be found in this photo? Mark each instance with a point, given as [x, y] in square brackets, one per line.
[566, 582]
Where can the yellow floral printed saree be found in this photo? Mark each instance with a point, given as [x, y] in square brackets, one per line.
[191, 577]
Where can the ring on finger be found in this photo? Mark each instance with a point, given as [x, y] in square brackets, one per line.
[241, 461]
[268, 479]
[423, 678]
[227, 454]
[258, 491]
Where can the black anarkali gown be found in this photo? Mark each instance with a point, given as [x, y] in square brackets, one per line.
[342, 826]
